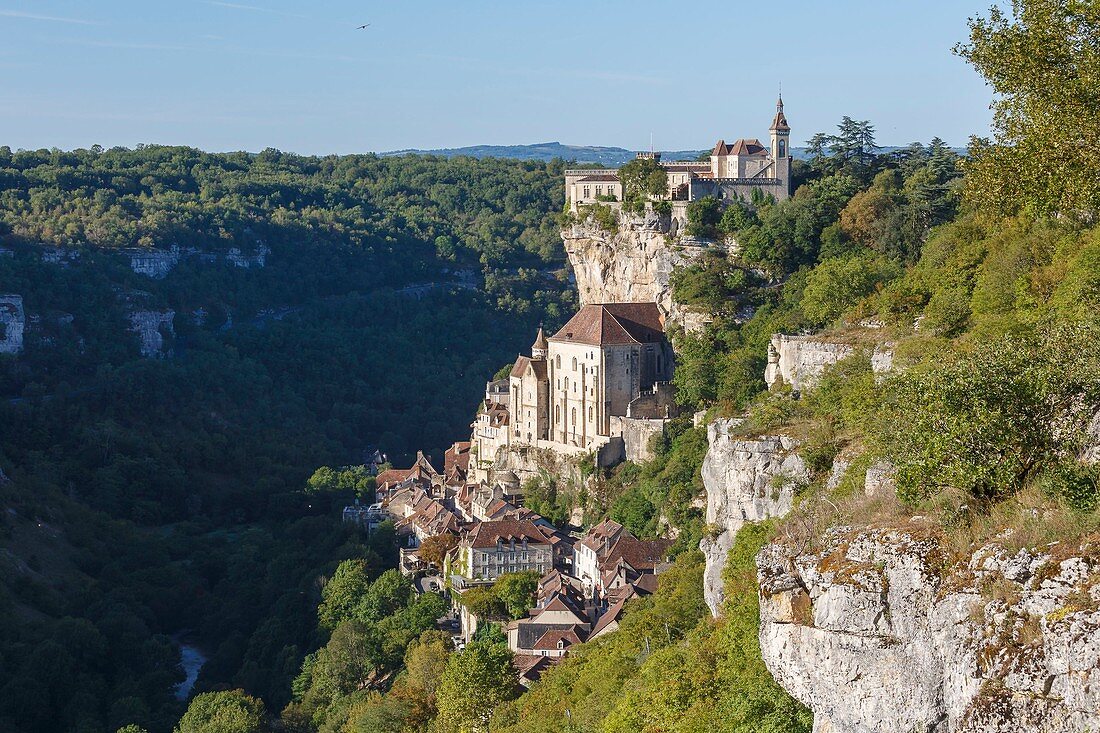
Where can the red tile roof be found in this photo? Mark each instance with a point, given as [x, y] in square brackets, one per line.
[523, 363]
[549, 640]
[614, 323]
[741, 147]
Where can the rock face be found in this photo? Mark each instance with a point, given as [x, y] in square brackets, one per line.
[878, 633]
[633, 265]
[150, 326]
[746, 481]
[13, 322]
[154, 263]
[798, 361]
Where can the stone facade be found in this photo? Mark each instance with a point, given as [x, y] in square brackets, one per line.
[564, 396]
[876, 635]
[13, 322]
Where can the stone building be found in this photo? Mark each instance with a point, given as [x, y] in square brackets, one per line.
[564, 396]
[733, 171]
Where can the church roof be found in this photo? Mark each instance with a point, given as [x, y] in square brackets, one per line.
[741, 147]
[524, 363]
[614, 323]
[540, 341]
[779, 124]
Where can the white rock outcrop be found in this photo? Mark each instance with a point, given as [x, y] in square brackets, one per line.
[154, 263]
[879, 632]
[634, 264]
[798, 361]
[746, 480]
[151, 326]
[13, 322]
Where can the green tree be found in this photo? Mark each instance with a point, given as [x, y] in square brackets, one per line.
[838, 285]
[642, 179]
[343, 593]
[517, 592]
[704, 216]
[434, 549]
[1042, 59]
[388, 593]
[223, 712]
[474, 682]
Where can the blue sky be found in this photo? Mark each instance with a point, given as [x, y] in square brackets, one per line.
[298, 76]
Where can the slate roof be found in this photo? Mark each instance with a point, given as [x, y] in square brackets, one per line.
[607, 324]
[741, 147]
[486, 534]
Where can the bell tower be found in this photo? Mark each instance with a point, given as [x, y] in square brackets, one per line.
[539, 348]
[781, 145]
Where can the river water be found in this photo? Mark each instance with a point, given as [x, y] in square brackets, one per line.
[192, 659]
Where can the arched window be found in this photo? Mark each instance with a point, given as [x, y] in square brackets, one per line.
[557, 359]
[557, 413]
[574, 363]
[573, 417]
[782, 148]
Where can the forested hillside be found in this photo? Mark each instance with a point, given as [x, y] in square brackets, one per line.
[144, 497]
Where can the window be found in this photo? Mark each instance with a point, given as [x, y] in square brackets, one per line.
[782, 148]
[587, 192]
[558, 360]
[591, 413]
[599, 191]
[573, 417]
[574, 363]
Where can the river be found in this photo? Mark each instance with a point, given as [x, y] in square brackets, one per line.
[191, 659]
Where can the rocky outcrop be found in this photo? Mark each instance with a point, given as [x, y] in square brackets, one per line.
[879, 632]
[257, 259]
[13, 322]
[151, 327]
[798, 361]
[154, 263]
[747, 480]
[634, 264]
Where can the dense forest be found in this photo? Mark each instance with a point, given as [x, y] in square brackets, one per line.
[145, 498]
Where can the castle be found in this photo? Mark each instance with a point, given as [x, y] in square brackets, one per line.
[733, 171]
[580, 389]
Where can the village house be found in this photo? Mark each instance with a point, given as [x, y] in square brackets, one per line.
[733, 171]
[494, 548]
[592, 549]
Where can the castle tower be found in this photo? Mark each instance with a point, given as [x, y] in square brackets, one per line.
[781, 145]
[538, 349]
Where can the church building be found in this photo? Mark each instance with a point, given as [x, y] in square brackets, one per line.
[605, 358]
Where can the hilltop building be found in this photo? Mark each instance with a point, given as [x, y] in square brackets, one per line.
[733, 171]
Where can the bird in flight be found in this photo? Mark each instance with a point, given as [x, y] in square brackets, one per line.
[365, 25]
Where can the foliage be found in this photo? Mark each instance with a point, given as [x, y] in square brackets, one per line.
[605, 217]
[341, 595]
[434, 549]
[474, 683]
[837, 285]
[355, 480]
[1041, 58]
[704, 215]
[642, 178]
[983, 421]
[223, 712]
[517, 592]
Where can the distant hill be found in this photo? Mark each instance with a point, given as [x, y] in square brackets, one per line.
[577, 153]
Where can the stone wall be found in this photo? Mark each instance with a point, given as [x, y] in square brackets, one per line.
[151, 327]
[635, 435]
[13, 322]
[746, 480]
[878, 632]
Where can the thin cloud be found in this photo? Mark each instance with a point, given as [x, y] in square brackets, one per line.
[253, 8]
[47, 18]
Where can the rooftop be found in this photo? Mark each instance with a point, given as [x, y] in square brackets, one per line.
[608, 324]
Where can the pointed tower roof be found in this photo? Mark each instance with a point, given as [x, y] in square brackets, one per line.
[540, 341]
[779, 124]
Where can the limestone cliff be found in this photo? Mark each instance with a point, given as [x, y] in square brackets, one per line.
[634, 264]
[12, 324]
[881, 631]
[798, 361]
[747, 480]
[151, 327]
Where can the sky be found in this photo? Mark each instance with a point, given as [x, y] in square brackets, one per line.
[300, 76]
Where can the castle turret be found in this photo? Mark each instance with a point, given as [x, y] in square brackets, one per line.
[538, 349]
[781, 145]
